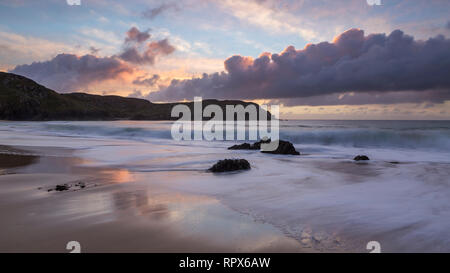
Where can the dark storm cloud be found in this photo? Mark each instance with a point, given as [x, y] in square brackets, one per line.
[147, 81]
[68, 72]
[353, 62]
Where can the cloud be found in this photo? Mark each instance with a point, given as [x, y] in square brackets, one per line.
[152, 13]
[134, 35]
[106, 37]
[353, 62]
[94, 50]
[147, 81]
[137, 52]
[352, 98]
[136, 94]
[18, 49]
[148, 56]
[69, 72]
[266, 15]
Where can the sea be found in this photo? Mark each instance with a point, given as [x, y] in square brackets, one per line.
[322, 198]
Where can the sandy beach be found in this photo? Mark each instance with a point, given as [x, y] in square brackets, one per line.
[115, 212]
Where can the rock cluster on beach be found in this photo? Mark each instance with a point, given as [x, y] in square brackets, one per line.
[63, 187]
[284, 147]
[66, 187]
[361, 157]
[229, 165]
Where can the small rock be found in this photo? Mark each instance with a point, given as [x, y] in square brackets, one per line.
[243, 146]
[248, 146]
[361, 157]
[284, 147]
[228, 165]
[62, 187]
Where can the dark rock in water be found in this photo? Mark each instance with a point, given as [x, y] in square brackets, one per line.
[284, 148]
[228, 165]
[243, 146]
[394, 162]
[63, 187]
[248, 146]
[257, 145]
[361, 157]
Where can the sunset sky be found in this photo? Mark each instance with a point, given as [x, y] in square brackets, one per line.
[318, 59]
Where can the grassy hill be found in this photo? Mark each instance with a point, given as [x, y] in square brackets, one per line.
[23, 99]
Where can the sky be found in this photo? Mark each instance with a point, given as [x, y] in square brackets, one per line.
[318, 59]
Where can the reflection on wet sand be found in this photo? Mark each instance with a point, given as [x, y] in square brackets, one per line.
[118, 175]
[202, 219]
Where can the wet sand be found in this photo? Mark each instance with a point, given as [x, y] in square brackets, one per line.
[10, 159]
[117, 211]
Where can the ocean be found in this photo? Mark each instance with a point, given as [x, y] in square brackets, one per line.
[322, 198]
